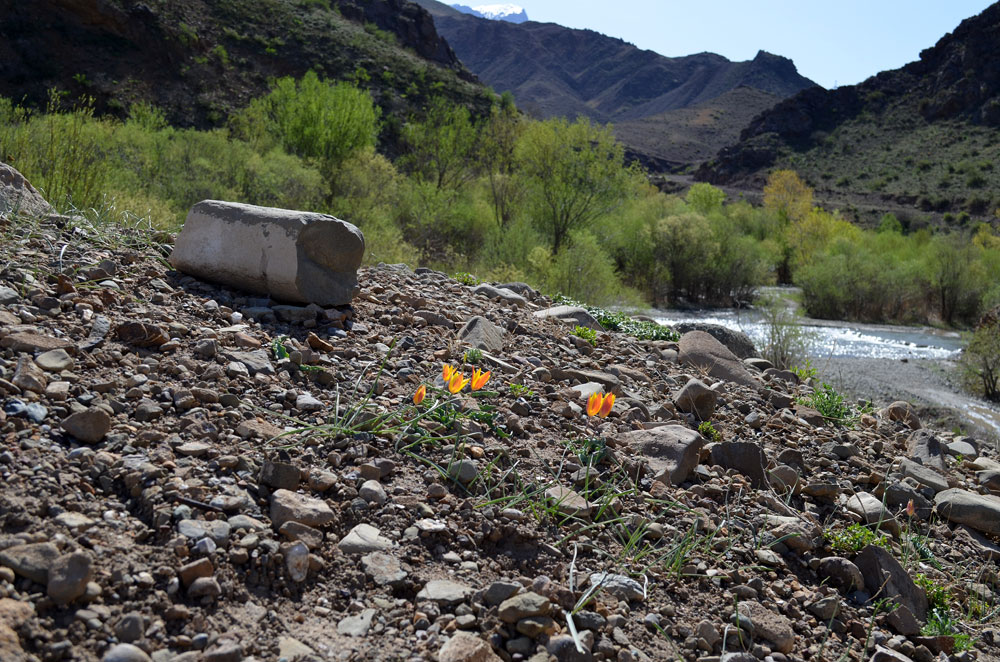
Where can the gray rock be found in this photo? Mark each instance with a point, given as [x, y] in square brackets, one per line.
[55, 360]
[757, 364]
[280, 475]
[287, 506]
[196, 529]
[17, 195]
[923, 475]
[963, 447]
[8, 296]
[735, 341]
[363, 539]
[927, 449]
[32, 560]
[842, 573]
[68, 577]
[384, 569]
[573, 315]
[306, 402]
[883, 654]
[978, 511]
[870, 508]
[130, 627]
[125, 653]
[825, 608]
[481, 333]
[568, 502]
[372, 492]
[696, 398]
[702, 351]
[523, 605]
[501, 294]
[744, 456]
[902, 411]
[562, 647]
[620, 586]
[204, 587]
[357, 625]
[464, 471]
[444, 592]
[256, 361]
[672, 451]
[500, 591]
[768, 624]
[294, 256]
[28, 376]
[89, 426]
[885, 577]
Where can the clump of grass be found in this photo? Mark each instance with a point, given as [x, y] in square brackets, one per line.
[834, 408]
[618, 321]
[473, 356]
[854, 538]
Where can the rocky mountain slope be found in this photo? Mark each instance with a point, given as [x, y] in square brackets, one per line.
[200, 60]
[190, 473]
[923, 137]
[558, 71]
[499, 12]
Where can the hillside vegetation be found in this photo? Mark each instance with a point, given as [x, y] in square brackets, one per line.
[920, 141]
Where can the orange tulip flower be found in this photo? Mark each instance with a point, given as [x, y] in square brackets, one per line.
[447, 372]
[419, 396]
[594, 404]
[609, 402]
[457, 382]
[479, 379]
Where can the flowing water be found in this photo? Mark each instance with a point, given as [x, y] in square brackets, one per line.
[831, 340]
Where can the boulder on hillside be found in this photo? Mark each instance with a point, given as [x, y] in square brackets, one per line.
[19, 196]
[703, 351]
[571, 315]
[736, 342]
[672, 451]
[294, 256]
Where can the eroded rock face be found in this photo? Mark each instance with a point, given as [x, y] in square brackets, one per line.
[294, 256]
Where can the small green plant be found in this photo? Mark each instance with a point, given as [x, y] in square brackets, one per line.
[619, 321]
[589, 451]
[854, 538]
[586, 333]
[473, 356]
[521, 390]
[278, 347]
[941, 624]
[708, 431]
[938, 595]
[465, 278]
[828, 402]
[805, 371]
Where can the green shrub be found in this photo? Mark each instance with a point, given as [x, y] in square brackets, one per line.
[853, 538]
[707, 430]
[980, 362]
[586, 333]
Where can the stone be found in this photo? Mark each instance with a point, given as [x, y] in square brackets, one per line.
[745, 457]
[357, 625]
[620, 586]
[735, 341]
[32, 560]
[55, 360]
[287, 506]
[256, 361]
[696, 398]
[481, 333]
[842, 573]
[196, 529]
[125, 653]
[294, 256]
[292, 649]
[870, 509]
[28, 376]
[825, 608]
[313, 538]
[923, 475]
[204, 587]
[33, 342]
[141, 334]
[191, 571]
[568, 502]
[963, 447]
[927, 449]
[362, 539]
[573, 315]
[279, 475]
[18, 196]
[308, 403]
[74, 521]
[902, 411]
[672, 451]
[89, 426]
[8, 296]
[883, 654]
[68, 577]
[523, 605]
[978, 511]
[372, 492]
[499, 591]
[501, 294]
[464, 471]
[784, 478]
[444, 592]
[902, 620]
[466, 647]
[702, 351]
[130, 627]
[769, 625]
[384, 569]
[885, 577]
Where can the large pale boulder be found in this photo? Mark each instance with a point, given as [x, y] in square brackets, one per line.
[672, 451]
[294, 256]
[19, 196]
[702, 351]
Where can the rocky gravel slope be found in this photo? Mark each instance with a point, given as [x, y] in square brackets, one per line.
[188, 473]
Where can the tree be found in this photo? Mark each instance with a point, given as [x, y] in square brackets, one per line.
[705, 198]
[497, 156]
[981, 361]
[787, 195]
[442, 146]
[573, 173]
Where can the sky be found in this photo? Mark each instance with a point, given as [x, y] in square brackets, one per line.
[833, 43]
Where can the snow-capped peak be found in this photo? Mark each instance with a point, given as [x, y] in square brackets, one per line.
[498, 12]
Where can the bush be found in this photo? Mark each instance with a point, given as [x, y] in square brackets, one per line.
[786, 343]
[980, 362]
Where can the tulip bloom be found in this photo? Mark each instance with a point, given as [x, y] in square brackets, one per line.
[609, 402]
[479, 379]
[419, 396]
[457, 382]
[447, 372]
[910, 508]
[594, 404]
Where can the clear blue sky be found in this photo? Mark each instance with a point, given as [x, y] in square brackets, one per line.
[833, 43]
